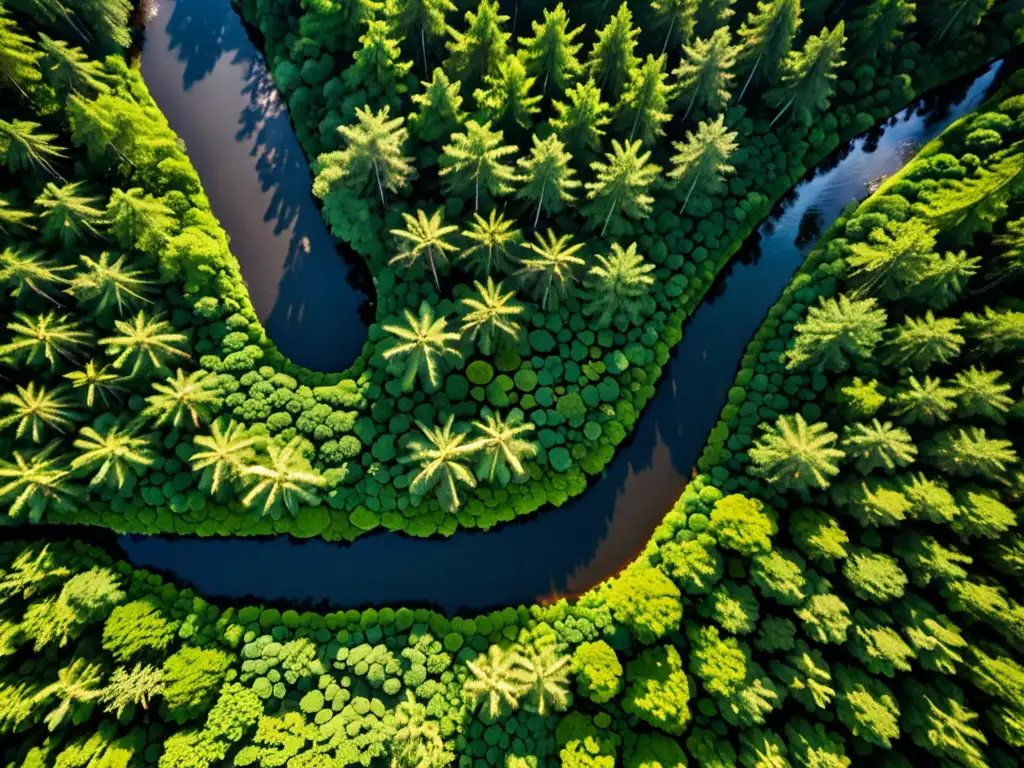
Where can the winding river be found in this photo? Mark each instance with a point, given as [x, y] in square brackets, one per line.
[216, 92]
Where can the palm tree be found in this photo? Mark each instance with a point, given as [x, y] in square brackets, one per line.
[68, 215]
[21, 269]
[622, 183]
[79, 682]
[105, 284]
[138, 220]
[619, 282]
[285, 480]
[972, 452]
[793, 454]
[114, 456]
[145, 341]
[475, 157]
[97, 380]
[182, 399]
[23, 148]
[879, 445]
[11, 217]
[926, 402]
[19, 63]
[493, 679]
[36, 482]
[923, 341]
[543, 675]
[490, 313]
[493, 239]
[34, 410]
[980, 393]
[424, 237]
[440, 460]
[223, 454]
[502, 446]
[45, 338]
[424, 341]
[551, 266]
[373, 152]
[703, 159]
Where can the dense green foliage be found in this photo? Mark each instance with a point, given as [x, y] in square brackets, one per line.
[861, 612]
[147, 396]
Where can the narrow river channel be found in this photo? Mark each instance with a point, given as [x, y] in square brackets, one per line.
[569, 549]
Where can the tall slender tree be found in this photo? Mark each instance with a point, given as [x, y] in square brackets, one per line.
[424, 238]
[378, 66]
[701, 163]
[546, 176]
[766, 38]
[424, 341]
[24, 272]
[613, 58]
[712, 15]
[502, 445]
[69, 69]
[623, 183]
[705, 73]
[646, 101]
[480, 50]
[420, 19]
[893, 258]
[948, 19]
[44, 339]
[22, 147]
[113, 456]
[104, 284]
[808, 76]
[34, 410]
[580, 120]
[440, 459]
[550, 266]
[489, 315]
[19, 61]
[507, 96]
[68, 215]
[619, 283]
[679, 17]
[283, 481]
[35, 483]
[878, 25]
[223, 455]
[475, 158]
[439, 112]
[373, 155]
[493, 240]
[552, 53]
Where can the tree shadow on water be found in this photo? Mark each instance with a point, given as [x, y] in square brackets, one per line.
[201, 31]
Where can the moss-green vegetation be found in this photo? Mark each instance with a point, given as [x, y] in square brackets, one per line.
[519, 206]
[838, 588]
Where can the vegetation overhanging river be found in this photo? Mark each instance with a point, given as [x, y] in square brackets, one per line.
[197, 55]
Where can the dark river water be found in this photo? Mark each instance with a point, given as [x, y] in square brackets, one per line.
[214, 87]
[208, 78]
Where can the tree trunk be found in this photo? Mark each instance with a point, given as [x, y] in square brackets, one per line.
[757, 63]
[423, 47]
[540, 202]
[693, 99]
[544, 301]
[476, 197]
[430, 258]
[380, 188]
[949, 23]
[609, 216]
[636, 120]
[788, 105]
[692, 187]
[671, 26]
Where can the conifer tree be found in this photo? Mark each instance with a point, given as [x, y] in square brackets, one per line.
[373, 155]
[923, 341]
[12, 218]
[619, 283]
[419, 19]
[68, 214]
[712, 15]
[138, 220]
[766, 38]
[646, 100]
[926, 402]
[981, 394]
[546, 176]
[893, 257]
[808, 76]
[440, 110]
[581, 118]
[971, 451]
[480, 50]
[943, 279]
[995, 330]
[1010, 256]
[378, 66]
[950, 18]
[70, 69]
[613, 58]
[705, 73]
[475, 158]
[878, 445]
[702, 161]
[793, 454]
[22, 147]
[836, 332]
[680, 18]
[552, 53]
[879, 25]
[507, 96]
[623, 183]
[19, 61]
[937, 719]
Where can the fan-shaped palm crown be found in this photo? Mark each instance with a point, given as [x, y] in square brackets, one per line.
[223, 454]
[544, 678]
[115, 455]
[551, 265]
[36, 482]
[793, 454]
[490, 313]
[424, 342]
[441, 459]
[493, 239]
[493, 680]
[48, 338]
[145, 342]
[424, 237]
[285, 480]
[34, 409]
[103, 284]
[96, 380]
[21, 270]
[501, 444]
